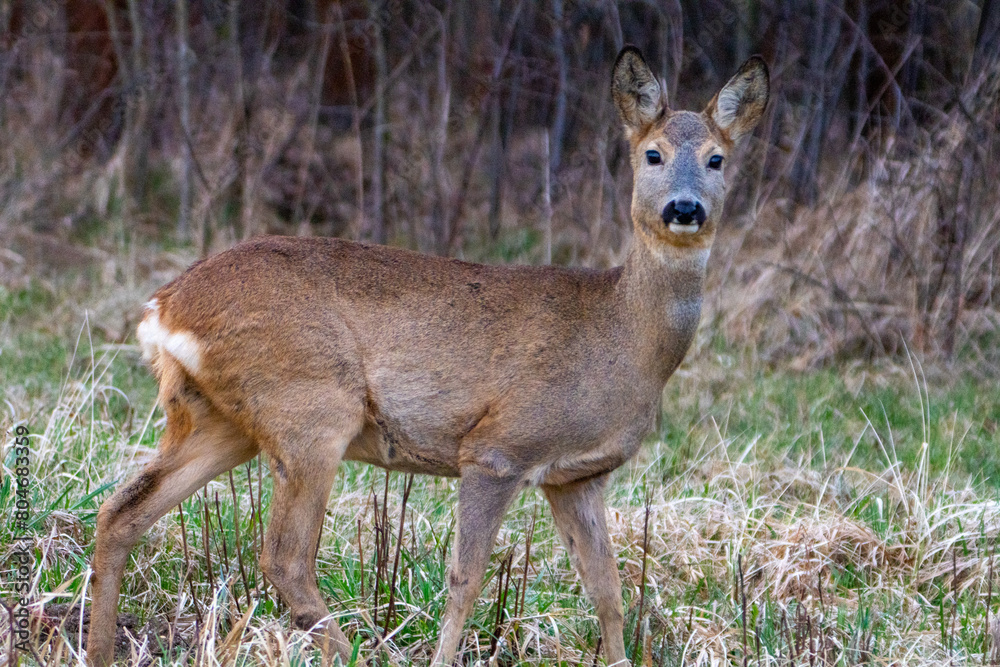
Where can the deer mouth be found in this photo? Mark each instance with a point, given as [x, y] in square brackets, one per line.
[684, 228]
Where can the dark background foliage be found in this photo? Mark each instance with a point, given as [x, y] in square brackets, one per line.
[863, 214]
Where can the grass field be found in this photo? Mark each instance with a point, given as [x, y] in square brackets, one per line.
[838, 516]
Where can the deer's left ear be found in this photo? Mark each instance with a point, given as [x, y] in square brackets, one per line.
[738, 107]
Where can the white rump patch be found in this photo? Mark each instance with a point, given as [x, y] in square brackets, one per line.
[154, 338]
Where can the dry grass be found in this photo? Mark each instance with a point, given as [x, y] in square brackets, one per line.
[865, 272]
[841, 562]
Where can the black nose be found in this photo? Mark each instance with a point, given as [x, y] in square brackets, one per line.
[684, 211]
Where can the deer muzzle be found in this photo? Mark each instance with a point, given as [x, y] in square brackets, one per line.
[683, 216]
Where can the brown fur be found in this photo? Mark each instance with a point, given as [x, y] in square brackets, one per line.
[318, 350]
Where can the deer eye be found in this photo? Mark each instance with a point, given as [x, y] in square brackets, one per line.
[653, 157]
[715, 162]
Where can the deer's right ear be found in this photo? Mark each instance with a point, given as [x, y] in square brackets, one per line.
[635, 91]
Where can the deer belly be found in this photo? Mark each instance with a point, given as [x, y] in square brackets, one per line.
[382, 443]
[414, 419]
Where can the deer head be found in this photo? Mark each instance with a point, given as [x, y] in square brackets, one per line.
[678, 156]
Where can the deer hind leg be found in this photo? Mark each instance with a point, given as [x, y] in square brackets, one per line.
[303, 466]
[579, 512]
[198, 444]
[483, 498]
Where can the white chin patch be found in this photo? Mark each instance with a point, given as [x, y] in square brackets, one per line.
[678, 228]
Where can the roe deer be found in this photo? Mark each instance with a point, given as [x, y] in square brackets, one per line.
[315, 350]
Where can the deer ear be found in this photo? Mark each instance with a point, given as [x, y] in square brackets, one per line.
[635, 91]
[738, 107]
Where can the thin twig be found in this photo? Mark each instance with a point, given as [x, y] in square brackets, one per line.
[361, 560]
[395, 565]
[187, 564]
[225, 550]
[642, 583]
[597, 650]
[527, 560]
[205, 526]
[989, 603]
[236, 532]
[743, 603]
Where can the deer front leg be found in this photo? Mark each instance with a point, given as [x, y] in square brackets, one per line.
[579, 512]
[482, 500]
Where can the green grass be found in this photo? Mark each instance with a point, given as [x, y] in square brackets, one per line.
[817, 416]
[816, 486]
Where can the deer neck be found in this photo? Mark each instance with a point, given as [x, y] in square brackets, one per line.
[660, 295]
